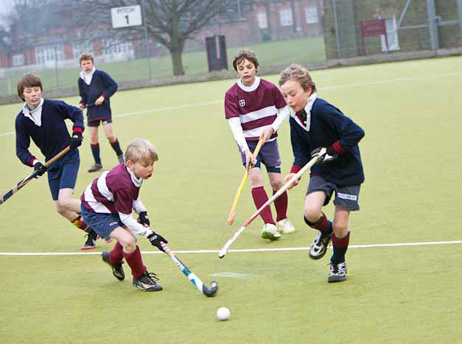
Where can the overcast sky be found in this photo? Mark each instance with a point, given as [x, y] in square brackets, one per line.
[5, 7]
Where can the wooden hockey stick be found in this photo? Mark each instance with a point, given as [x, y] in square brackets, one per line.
[26, 180]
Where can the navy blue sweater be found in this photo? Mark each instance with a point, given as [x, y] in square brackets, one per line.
[101, 85]
[329, 126]
[52, 136]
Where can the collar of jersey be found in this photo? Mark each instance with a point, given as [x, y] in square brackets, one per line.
[136, 181]
[308, 107]
[34, 115]
[250, 88]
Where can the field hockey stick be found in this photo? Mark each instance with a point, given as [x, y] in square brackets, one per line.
[191, 276]
[297, 176]
[26, 180]
[88, 105]
[232, 212]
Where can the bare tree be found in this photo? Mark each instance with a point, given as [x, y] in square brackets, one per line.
[170, 22]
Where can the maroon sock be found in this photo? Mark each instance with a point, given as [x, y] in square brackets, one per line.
[259, 198]
[116, 254]
[80, 224]
[281, 206]
[135, 262]
[340, 246]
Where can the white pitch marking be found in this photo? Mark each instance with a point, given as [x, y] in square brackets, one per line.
[250, 250]
[212, 102]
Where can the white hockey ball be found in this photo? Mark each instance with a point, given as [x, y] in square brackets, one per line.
[223, 313]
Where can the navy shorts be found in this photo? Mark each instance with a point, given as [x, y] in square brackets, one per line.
[268, 155]
[346, 197]
[63, 173]
[95, 123]
[102, 224]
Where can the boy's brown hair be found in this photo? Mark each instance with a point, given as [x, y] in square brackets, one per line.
[245, 54]
[86, 56]
[297, 73]
[28, 80]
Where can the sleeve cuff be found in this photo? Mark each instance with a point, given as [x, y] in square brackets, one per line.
[295, 169]
[335, 148]
[77, 130]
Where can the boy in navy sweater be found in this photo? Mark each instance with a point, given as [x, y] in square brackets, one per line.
[316, 124]
[43, 121]
[95, 89]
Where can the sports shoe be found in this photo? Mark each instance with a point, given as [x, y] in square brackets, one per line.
[117, 269]
[121, 158]
[147, 282]
[285, 227]
[319, 246]
[270, 232]
[337, 272]
[90, 243]
[95, 167]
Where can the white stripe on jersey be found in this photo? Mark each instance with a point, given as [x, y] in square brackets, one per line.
[259, 114]
[103, 189]
[96, 206]
[257, 132]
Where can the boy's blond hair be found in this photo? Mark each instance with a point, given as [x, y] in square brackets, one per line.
[245, 54]
[28, 80]
[297, 73]
[141, 150]
[86, 56]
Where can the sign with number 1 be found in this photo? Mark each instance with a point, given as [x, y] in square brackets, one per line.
[126, 16]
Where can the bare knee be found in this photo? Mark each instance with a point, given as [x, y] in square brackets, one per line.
[312, 215]
[129, 244]
[340, 228]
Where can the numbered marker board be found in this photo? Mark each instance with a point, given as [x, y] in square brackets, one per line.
[126, 16]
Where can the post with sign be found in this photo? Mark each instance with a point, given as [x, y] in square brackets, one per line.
[129, 16]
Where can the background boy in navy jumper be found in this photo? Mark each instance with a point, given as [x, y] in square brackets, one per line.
[316, 124]
[95, 88]
[43, 121]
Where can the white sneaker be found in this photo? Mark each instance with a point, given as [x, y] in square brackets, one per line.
[285, 227]
[270, 232]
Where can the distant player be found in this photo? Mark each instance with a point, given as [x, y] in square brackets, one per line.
[95, 88]
[107, 206]
[43, 121]
[255, 108]
[314, 124]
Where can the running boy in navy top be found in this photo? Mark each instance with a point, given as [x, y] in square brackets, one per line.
[95, 88]
[316, 124]
[43, 121]
[107, 205]
[256, 108]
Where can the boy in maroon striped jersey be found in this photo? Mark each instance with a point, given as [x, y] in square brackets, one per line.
[255, 108]
[107, 206]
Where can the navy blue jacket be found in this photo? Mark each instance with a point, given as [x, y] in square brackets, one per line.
[101, 85]
[329, 127]
[52, 136]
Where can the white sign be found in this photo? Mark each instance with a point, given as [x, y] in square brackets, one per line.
[126, 16]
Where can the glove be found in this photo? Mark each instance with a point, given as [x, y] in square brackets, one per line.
[325, 158]
[39, 168]
[156, 239]
[144, 219]
[76, 140]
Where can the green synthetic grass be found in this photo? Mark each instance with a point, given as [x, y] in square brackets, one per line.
[410, 112]
[303, 50]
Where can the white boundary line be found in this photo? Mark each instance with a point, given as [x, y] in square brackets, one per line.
[213, 102]
[250, 250]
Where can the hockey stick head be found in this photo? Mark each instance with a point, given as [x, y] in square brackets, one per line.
[222, 252]
[212, 291]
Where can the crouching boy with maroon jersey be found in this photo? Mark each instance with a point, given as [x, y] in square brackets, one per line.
[107, 205]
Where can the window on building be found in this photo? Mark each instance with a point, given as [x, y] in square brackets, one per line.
[113, 46]
[311, 14]
[17, 60]
[285, 15]
[262, 20]
[81, 47]
[49, 53]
